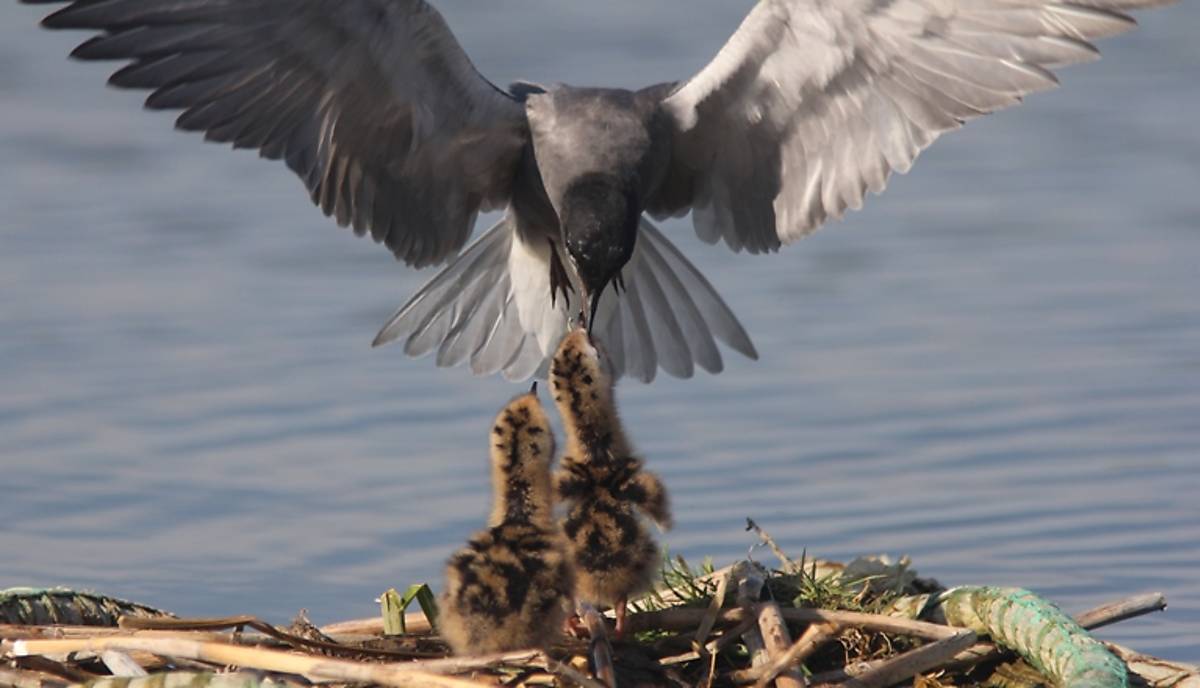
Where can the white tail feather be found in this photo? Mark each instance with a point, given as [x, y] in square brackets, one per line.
[491, 308]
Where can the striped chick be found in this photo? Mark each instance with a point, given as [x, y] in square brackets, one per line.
[603, 483]
[510, 587]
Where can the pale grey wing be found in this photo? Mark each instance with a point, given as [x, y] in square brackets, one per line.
[372, 103]
[813, 102]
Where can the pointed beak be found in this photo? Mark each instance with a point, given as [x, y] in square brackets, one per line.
[533, 388]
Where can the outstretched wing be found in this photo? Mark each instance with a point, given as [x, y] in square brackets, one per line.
[813, 102]
[372, 103]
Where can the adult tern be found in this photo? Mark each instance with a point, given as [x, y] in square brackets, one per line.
[375, 105]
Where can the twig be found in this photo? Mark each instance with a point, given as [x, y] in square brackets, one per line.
[563, 669]
[1158, 672]
[788, 565]
[1128, 608]
[599, 650]
[809, 641]
[713, 646]
[414, 622]
[714, 608]
[777, 639]
[680, 618]
[19, 632]
[49, 666]
[264, 628]
[706, 626]
[750, 580]
[121, 664]
[406, 675]
[465, 663]
[29, 679]
[913, 662]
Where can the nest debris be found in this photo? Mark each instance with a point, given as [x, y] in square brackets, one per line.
[867, 624]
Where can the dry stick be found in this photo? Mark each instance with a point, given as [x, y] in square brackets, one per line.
[812, 638]
[913, 662]
[1120, 610]
[563, 669]
[706, 625]
[148, 661]
[750, 581]
[775, 636]
[264, 628]
[46, 665]
[599, 650]
[407, 675]
[680, 618]
[415, 622]
[1158, 672]
[20, 631]
[788, 564]
[714, 646]
[29, 679]
[121, 664]
[717, 646]
[667, 597]
[714, 608]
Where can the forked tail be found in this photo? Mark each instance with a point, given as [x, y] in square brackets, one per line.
[491, 309]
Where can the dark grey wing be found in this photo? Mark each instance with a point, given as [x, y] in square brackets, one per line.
[813, 102]
[372, 103]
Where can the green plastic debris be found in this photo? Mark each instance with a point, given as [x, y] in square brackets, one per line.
[1033, 627]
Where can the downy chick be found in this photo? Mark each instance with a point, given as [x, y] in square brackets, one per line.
[603, 483]
[509, 588]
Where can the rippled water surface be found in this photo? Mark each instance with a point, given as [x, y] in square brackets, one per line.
[995, 368]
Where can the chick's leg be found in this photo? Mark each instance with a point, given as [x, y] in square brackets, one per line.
[619, 609]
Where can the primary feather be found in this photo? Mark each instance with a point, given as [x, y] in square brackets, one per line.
[372, 103]
[812, 103]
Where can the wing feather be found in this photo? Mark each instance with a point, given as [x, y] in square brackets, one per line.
[372, 103]
[813, 103]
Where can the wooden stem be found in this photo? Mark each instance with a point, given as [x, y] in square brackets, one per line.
[415, 622]
[750, 579]
[681, 618]
[777, 639]
[406, 675]
[167, 624]
[812, 638]
[18, 678]
[913, 662]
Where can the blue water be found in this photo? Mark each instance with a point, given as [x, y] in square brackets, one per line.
[994, 368]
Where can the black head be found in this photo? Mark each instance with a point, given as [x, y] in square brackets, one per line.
[599, 224]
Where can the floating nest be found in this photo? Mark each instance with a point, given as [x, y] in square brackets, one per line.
[869, 623]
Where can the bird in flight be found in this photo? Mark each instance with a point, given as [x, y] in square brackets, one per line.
[379, 111]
